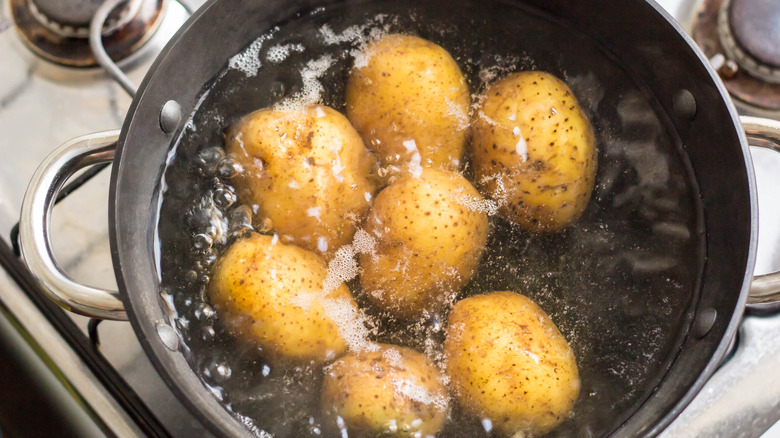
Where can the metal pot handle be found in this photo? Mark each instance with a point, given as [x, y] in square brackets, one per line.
[765, 289]
[35, 225]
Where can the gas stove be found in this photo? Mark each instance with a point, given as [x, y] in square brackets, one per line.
[98, 374]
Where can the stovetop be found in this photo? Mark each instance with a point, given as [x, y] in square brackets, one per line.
[42, 106]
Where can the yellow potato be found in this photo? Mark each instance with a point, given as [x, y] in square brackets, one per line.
[534, 151]
[273, 293]
[508, 363]
[394, 392]
[430, 239]
[306, 170]
[408, 99]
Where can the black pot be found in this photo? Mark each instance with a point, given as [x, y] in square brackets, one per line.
[636, 34]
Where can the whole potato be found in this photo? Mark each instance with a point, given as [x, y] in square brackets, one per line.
[273, 293]
[534, 150]
[393, 391]
[508, 363]
[408, 99]
[306, 170]
[429, 242]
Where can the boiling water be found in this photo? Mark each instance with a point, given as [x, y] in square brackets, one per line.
[620, 283]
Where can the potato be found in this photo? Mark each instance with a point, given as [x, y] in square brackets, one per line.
[306, 170]
[394, 391]
[508, 363]
[273, 293]
[429, 242]
[534, 151]
[408, 99]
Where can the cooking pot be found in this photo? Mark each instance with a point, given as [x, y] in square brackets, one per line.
[637, 34]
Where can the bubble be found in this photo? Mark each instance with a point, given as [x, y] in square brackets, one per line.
[228, 167]
[224, 197]
[240, 220]
[191, 276]
[208, 158]
[267, 225]
[209, 257]
[207, 333]
[204, 312]
[202, 242]
[216, 370]
[277, 90]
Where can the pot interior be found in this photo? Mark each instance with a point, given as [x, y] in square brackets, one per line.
[623, 284]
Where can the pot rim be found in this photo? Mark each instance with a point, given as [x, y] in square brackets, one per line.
[173, 367]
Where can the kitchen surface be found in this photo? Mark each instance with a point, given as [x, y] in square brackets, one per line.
[116, 391]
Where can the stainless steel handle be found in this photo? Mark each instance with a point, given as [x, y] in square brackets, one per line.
[35, 222]
[765, 133]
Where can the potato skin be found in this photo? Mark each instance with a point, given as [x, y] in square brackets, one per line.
[258, 285]
[394, 392]
[508, 362]
[550, 187]
[405, 89]
[307, 170]
[428, 243]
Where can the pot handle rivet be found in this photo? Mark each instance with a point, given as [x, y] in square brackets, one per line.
[167, 335]
[684, 104]
[170, 116]
[704, 322]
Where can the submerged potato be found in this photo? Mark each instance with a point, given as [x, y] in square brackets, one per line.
[534, 151]
[273, 293]
[394, 392]
[508, 363]
[429, 242]
[306, 170]
[408, 99]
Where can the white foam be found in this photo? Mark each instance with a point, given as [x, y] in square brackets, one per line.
[359, 37]
[484, 117]
[458, 113]
[363, 242]
[393, 357]
[419, 394]
[313, 212]
[279, 53]
[311, 89]
[351, 322]
[351, 34]
[489, 207]
[248, 60]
